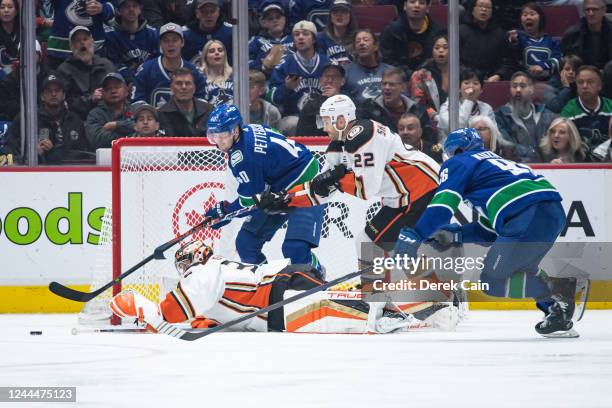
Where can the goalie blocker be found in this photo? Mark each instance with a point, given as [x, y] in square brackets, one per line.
[213, 290]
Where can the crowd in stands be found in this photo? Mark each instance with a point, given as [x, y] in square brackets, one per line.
[120, 68]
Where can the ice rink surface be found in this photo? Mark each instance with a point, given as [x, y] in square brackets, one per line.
[494, 359]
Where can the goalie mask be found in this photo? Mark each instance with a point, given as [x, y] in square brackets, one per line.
[333, 108]
[191, 253]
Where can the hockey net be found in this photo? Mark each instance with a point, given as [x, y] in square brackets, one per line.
[161, 187]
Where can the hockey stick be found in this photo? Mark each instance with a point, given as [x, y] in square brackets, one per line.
[158, 253]
[174, 331]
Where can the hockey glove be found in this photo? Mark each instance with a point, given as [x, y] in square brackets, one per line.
[408, 243]
[446, 236]
[327, 182]
[272, 203]
[218, 211]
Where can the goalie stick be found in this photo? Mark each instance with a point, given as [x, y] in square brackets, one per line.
[179, 333]
[78, 296]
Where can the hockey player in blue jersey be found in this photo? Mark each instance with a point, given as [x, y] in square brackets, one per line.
[520, 214]
[262, 159]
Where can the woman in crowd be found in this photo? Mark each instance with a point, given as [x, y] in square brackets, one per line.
[488, 131]
[336, 41]
[9, 34]
[538, 53]
[562, 143]
[213, 64]
[429, 85]
[470, 90]
[562, 86]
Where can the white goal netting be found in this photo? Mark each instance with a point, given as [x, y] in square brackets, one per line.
[163, 186]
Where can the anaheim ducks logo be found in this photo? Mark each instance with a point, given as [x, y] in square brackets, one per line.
[355, 130]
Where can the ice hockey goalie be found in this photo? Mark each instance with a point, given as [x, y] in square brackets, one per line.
[213, 290]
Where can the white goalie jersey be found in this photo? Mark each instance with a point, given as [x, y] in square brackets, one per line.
[221, 291]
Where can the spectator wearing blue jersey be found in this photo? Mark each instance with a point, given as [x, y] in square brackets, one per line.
[130, 41]
[213, 64]
[184, 115]
[522, 122]
[84, 72]
[68, 14]
[297, 76]
[261, 159]
[520, 216]
[267, 49]
[364, 74]
[537, 53]
[152, 79]
[315, 11]
[209, 26]
[336, 41]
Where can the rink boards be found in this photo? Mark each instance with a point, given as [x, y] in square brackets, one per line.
[50, 221]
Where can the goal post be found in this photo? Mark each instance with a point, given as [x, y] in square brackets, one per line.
[163, 186]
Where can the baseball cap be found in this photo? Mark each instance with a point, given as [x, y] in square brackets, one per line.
[335, 65]
[113, 75]
[53, 79]
[141, 107]
[272, 6]
[76, 29]
[345, 4]
[305, 25]
[170, 28]
[203, 2]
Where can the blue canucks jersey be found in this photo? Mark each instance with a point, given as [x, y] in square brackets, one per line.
[292, 101]
[262, 158]
[129, 50]
[544, 51]
[497, 188]
[260, 46]
[316, 11]
[152, 82]
[217, 94]
[334, 51]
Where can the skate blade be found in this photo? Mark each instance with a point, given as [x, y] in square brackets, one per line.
[569, 334]
[582, 301]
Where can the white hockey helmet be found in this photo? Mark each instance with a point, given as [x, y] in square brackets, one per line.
[334, 107]
[190, 253]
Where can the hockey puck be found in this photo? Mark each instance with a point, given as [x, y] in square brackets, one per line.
[35, 333]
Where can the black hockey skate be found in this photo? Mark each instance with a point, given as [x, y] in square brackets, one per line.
[558, 321]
